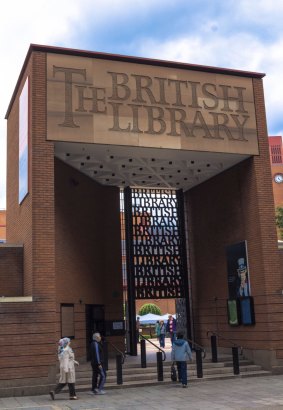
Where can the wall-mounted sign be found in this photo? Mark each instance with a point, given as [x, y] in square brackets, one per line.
[247, 311]
[23, 141]
[234, 318]
[117, 102]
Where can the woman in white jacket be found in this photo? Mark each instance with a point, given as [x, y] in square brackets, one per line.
[67, 369]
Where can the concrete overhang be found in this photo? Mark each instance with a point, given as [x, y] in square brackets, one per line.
[122, 166]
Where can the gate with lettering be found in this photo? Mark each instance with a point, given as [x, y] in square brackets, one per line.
[156, 250]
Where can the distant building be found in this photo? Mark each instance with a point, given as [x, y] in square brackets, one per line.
[2, 225]
[276, 159]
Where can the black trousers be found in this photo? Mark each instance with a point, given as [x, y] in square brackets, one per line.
[71, 387]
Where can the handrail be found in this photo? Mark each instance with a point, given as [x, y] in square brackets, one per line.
[224, 338]
[199, 346]
[119, 351]
[157, 347]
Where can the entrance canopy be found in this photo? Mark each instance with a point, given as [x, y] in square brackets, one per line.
[116, 165]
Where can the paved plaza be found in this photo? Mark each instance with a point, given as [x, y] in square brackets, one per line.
[237, 394]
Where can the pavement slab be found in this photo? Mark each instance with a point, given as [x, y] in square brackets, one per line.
[255, 393]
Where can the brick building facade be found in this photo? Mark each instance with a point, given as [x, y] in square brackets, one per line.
[64, 239]
[276, 159]
[2, 225]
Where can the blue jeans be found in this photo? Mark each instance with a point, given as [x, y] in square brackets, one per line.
[173, 337]
[98, 377]
[182, 372]
[162, 340]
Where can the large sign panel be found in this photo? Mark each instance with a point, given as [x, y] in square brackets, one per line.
[115, 102]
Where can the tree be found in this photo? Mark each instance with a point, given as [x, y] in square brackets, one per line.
[149, 308]
[279, 220]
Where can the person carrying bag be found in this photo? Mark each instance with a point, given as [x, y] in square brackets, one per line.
[173, 373]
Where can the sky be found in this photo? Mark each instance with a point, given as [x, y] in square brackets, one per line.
[239, 34]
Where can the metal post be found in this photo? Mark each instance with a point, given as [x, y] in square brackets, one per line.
[184, 264]
[105, 353]
[159, 366]
[199, 363]
[130, 272]
[236, 365]
[213, 349]
[143, 353]
[119, 369]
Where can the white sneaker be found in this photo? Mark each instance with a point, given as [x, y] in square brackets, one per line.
[100, 392]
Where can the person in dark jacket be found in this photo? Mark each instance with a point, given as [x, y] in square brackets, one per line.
[181, 351]
[171, 326]
[97, 364]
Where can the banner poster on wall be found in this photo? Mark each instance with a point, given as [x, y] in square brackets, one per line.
[237, 270]
[23, 142]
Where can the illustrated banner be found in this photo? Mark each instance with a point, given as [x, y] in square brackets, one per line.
[237, 270]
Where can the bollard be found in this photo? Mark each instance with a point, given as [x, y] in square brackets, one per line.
[236, 365]
[105, 354]
[213, 349]
[119, 369]
[159, 366]
[199, 363]
[143, 353]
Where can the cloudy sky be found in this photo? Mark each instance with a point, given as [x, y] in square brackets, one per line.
[239, 34]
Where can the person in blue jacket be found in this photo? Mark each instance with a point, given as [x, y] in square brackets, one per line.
[97, 364]
[181, 351]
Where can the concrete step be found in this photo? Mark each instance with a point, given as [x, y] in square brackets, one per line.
[134, 368]
[135, 376]
[167, 380]
[147, 373]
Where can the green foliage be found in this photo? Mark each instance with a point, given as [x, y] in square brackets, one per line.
[279, 217]
[279, 220]
[149, 308]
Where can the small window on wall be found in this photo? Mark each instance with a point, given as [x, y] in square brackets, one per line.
[67, 321]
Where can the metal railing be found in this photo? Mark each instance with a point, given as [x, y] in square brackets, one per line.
[235, 350]
[157, 347]
[118, 351]
[219, 336]
[198, 346]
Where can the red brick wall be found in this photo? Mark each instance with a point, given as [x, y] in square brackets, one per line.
[11, 270]
[234, 206]
[88, 248]
[28, 330]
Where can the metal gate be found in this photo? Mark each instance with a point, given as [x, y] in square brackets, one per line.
[156, 250]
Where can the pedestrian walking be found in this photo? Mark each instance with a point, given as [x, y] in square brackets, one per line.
[162, 333]
[97, 364]
[181, 352]
[138, 329]
[67, 362]
[171, 327]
